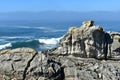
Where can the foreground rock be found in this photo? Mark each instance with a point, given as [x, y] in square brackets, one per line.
[27, 64]
[89, 68]
[13, 63]
[89, 41]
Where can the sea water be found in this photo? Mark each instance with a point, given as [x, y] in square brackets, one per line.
[41, 35]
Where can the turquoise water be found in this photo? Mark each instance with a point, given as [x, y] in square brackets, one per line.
[40, 35]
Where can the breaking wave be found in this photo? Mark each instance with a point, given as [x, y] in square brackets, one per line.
[50, 41]
[5, 46]
[38, 44]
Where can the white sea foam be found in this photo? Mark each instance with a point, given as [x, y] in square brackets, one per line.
[55, 30]
[27, 27]
[16, 37]
[46, 29]
[5, 46]
[50, 41]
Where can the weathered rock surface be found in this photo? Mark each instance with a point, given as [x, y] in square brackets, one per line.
[15, 62]
[90, 69]
[27, 64]
[89, 41]
[114, 47]
[73, 59]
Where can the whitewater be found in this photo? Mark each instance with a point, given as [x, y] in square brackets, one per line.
[43, 44]
[38, 35]
[40, 38]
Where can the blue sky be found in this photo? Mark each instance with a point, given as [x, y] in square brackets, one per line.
[59, 5]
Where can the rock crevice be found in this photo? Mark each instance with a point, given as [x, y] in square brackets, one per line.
[28, 65]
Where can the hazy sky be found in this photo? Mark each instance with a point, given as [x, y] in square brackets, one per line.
[59, 5]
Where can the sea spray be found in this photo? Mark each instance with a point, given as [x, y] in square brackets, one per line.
[50, 41]
[38, 44]
[5, 46]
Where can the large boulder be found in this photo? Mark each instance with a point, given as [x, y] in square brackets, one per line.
[89, 41]
[14, 63]
[86, 41]
[44, 68]
[27, 64]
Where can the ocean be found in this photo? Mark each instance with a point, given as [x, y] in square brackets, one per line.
[41, 35]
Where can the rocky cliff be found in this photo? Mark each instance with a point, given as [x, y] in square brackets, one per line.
[84, 53]
[89, 41]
